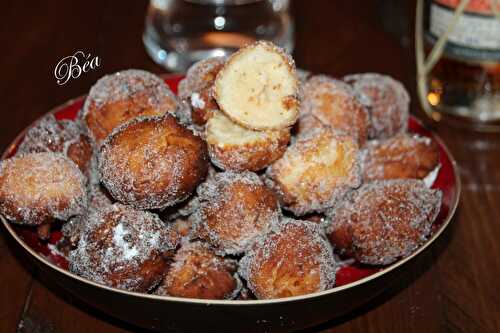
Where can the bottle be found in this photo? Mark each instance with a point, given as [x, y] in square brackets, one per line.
[180, 32]
[464, 84]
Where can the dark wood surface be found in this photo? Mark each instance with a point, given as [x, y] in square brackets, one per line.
[452, 287]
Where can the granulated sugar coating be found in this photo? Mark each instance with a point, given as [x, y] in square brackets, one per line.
[99, 199]
[197, 272]
[59, 136]
[152, 163]
[317, 170]
[401, 156]
[196, 90]
[37, 188]
[199, 76]
[235, 208]
[124, 248]
[387, 101]
[334, 103]
[120, 97]
[293, 259]
[384, 220]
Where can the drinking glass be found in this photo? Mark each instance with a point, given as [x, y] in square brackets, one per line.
[180, 32]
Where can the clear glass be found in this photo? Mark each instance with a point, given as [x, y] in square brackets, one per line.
[180, 32]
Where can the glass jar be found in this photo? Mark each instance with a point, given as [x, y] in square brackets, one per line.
[462, 71]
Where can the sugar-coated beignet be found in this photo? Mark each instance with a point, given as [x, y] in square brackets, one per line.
[316, 171]
[152, 163]
[59, 136]
[387, 100]
[334, 103]
[233, 147]
[122, 96]
[196, 88]
[98, 199]
[197, 272]
[401, 156]
[124, 248]
[294, 259]
[384, 220]
[258, 87]
[235, 208]
[37, 188]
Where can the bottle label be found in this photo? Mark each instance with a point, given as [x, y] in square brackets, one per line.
[476, 36]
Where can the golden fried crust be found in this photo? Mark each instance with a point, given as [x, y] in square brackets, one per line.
[196, 87]
[294, 259]
[306, 123]
[384, 220]
[258, 88]
[335, 104]
[120, 97]
[37, 188]
[152, 162]
[182, 225]
[197, 272]
[233, 147]
[114, 251]
[80, 151]
[402, 156]
[316, 171]
[387, 101]
[235, 208]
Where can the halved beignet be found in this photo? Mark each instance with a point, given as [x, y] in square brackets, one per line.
[233, 147]
[294, 259]
[37, 188]
[122, 96]
[316, 171]
[152, 163]
[335, 104]
[258, 87]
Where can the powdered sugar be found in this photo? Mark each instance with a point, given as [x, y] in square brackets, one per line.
[196, 101]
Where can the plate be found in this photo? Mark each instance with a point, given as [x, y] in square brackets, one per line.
[355, 283]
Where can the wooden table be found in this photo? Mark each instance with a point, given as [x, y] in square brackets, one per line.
[453, 287]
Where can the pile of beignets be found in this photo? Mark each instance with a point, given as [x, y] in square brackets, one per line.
[251, 183]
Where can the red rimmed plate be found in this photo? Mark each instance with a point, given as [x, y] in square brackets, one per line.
[355, 283]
